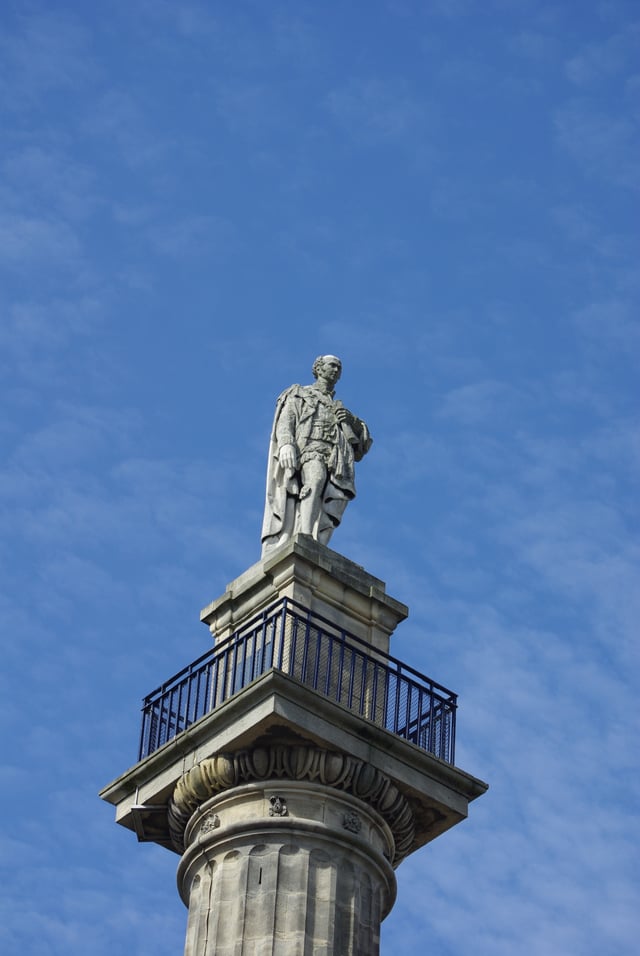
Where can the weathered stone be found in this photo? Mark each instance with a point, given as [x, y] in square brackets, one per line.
[300, 882]
[310, 474]
[323, 581]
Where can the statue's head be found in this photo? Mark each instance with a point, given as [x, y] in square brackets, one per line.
[328, 362]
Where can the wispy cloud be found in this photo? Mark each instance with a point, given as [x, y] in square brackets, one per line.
[43, 52]
[602, 144]
[28, 242]
[612, 324]
[372, 110]
[197, 235]
[598, 62]
[119, 123]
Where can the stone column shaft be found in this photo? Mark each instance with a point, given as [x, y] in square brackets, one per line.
[286, 869]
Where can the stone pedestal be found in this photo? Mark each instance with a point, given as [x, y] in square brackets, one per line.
[289, 808]
[321, 580]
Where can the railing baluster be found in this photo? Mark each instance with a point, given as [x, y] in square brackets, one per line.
[179, 707]
[284, 615]
[363, 687]
[190, 685]
[374, 693]
[452, 731]
[327, 680]
[351, 678]
[263, 649]
[215, 677]
[340, 671]
[293, 651]
[431, 742]
[407, 720]
[305, 648]
[234, 664]
[143, 749]
[396, 715]
[316, 662]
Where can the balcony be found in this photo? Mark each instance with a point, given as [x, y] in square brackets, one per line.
[329, 661]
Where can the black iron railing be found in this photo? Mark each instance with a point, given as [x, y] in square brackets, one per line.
[289, 638]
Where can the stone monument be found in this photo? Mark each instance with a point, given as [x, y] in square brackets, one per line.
[310, 474]
[297, 763]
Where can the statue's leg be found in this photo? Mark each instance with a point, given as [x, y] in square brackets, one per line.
[334, 501]
[314, 478]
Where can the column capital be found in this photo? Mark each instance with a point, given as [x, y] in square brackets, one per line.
[285, 762]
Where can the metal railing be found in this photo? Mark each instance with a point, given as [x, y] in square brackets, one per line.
[290, 638]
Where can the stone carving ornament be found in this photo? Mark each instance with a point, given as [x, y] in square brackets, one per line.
[310, 474]
[211, 822]
[352, 822]
[278, 807]
[330, 768]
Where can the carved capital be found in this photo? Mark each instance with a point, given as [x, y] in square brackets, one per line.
[281, 762]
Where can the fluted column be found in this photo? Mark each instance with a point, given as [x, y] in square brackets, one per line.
[285, 866]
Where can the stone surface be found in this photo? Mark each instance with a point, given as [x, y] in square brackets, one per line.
[318, 578]
[305, 765]
[294, 882]
[315, 442]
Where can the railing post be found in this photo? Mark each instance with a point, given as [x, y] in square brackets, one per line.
[432, 724]
[283, 633]
[144, 730]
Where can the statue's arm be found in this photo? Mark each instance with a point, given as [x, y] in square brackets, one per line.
[355, 431]
[364, 442]
[285, 433]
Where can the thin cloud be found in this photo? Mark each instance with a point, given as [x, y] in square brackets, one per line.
[603, 145]
[43, 52]
[369, 109]
[30, 241]
[598, 62]
[41, 175]
[197, 235]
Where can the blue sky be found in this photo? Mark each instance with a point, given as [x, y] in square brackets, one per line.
[195, 201]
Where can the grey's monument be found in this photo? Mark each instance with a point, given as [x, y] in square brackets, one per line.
[315, 442]
[295, 764]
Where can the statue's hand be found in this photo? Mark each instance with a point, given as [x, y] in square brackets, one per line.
[344, 415]
[288, 457]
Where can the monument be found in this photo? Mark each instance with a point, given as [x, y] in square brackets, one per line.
[297, 762]
[310, 474]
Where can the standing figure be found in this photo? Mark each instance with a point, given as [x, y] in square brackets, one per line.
[314, 444]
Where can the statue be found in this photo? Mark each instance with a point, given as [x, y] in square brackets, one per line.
[314, 444]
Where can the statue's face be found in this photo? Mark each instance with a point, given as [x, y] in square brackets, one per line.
[330, 369]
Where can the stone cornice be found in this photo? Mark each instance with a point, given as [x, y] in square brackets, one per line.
[328, 768]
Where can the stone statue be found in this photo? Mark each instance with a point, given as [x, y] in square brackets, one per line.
[314, 444]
